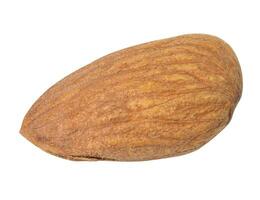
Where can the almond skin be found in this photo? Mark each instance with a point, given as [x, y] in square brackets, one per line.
[155, 100]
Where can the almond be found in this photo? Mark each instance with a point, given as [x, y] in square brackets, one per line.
[155, 100]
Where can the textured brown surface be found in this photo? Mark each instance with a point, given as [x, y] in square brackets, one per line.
[155, 100]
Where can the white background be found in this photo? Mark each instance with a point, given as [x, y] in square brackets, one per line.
[42, 41]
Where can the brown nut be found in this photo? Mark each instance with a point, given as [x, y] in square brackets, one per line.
[155, 100]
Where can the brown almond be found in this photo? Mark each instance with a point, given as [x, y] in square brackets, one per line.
[155, 100]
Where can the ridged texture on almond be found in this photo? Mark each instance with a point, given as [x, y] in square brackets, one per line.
[155, 100]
